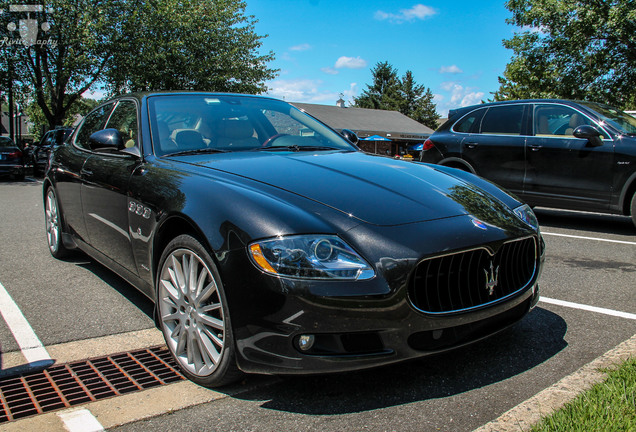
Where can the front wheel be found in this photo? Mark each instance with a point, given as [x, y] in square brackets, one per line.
[193, 314]
[53, 223]
[633, 209]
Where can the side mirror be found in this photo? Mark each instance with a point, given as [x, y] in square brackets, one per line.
[350, 135]
[589, 133]
[106, 139]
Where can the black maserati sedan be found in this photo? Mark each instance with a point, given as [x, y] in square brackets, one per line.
[271, 244]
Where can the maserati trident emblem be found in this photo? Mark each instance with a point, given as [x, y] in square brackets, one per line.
[492, 278]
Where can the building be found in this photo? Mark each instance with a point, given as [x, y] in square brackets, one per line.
[380, 131]
[21, 126]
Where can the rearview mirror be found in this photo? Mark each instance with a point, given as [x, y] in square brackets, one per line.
[589, 133]
[106, 139]
[349, 135]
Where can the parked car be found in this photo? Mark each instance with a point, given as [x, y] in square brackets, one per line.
[50, 140]
[553, 153]
[11, 162]
[271, 244]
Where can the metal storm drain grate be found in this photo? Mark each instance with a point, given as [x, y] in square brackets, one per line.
[85, 381]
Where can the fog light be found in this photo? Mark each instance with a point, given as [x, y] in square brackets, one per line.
[305, 342]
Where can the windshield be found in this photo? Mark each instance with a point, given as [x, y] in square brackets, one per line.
[614, 117]
[198, 123]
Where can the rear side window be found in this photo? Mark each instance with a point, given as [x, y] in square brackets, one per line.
[92, 123]
[470, 123]
[503, 120]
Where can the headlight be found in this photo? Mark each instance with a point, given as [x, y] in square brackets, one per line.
[310, 257]
[526, 214]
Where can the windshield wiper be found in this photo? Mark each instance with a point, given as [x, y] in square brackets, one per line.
[197, 151]
[295, 148]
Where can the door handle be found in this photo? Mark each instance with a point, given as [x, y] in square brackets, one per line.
[471, 145]
[86, 172]
[535, 147]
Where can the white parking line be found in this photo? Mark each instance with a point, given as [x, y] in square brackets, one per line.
[30, 345]
[80, 420]
[588, 238]
[588, 308]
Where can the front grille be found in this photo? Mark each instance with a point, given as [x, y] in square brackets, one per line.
[474, 278]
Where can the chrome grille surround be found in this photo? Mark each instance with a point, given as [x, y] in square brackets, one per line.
[463, 281]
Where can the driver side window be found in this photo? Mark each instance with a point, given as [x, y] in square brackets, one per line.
[124, 119]
[93, 122]
[557, 121]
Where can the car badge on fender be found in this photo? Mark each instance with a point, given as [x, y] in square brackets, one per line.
[479, 224]
[492, 278]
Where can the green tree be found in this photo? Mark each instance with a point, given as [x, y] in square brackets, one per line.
[582, 49]
[127, 45]
[40, 124]
[68, 54]
[189, 45]
[384, 93]
[389, 92]
[417, 102]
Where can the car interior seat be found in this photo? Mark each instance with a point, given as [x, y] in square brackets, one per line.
[189, 139]
[166, 143]
[575, 121]
[236, 133]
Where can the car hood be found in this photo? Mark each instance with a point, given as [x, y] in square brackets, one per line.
[373, 189]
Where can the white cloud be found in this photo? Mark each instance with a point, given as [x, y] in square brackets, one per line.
[417, 12]
[308, 91]
[329, 70]
[301, 47]
[350, 63]
[453, 69]
[460, 96]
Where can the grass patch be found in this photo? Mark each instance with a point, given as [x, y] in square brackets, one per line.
[608, 406]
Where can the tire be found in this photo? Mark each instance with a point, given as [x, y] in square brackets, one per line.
[53, 224]
[632, 209]
[193, 314]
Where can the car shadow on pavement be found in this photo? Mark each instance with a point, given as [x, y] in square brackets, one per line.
[592, 222]
[143, 303]
[537, 338]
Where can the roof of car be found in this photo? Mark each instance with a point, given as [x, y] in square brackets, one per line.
[462, 110]
[144, 94]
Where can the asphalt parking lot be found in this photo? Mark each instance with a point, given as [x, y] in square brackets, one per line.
[588, 308]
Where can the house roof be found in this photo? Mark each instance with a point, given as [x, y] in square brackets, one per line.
[366, 122]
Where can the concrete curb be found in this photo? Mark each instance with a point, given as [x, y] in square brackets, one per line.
[528, 413]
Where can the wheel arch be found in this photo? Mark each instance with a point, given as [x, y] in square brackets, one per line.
[459, 163]
[172, 227]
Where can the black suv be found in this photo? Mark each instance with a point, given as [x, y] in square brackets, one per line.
[50, 140]
[553, 153]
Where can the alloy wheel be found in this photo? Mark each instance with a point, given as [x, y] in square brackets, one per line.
[191, 312]
[52, 222]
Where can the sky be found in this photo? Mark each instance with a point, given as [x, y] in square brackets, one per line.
[325, 48]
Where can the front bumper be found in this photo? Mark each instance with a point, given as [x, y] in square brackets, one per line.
[354, 325]
[351, 338]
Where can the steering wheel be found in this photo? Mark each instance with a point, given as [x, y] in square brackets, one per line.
[268, 142]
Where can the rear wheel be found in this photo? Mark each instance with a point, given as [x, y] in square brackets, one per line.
[53, 223]
[193, 314]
